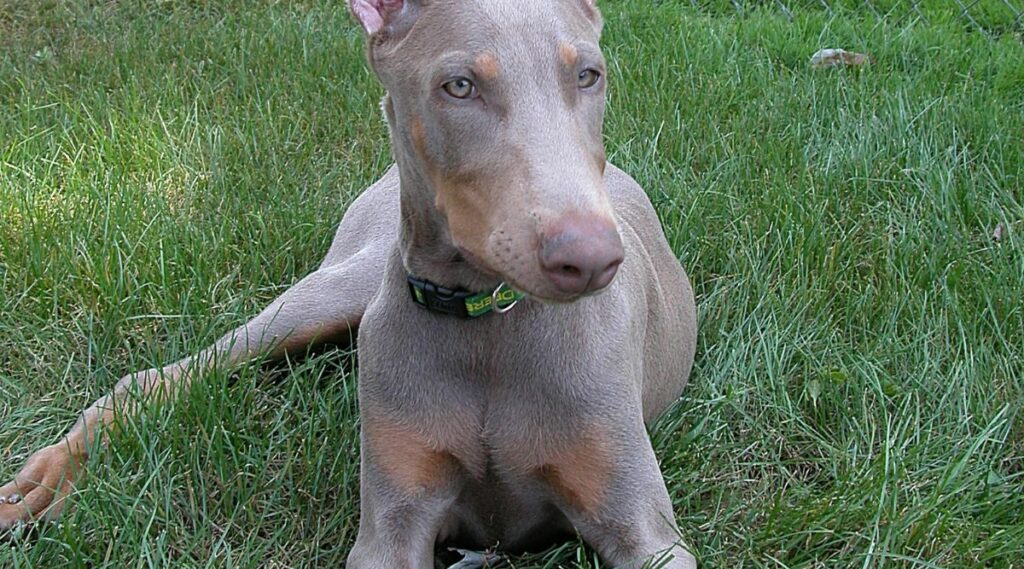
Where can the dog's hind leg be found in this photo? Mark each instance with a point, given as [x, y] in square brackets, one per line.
[325, 306]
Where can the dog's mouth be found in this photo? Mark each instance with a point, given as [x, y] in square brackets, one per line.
[477, 263]
[489, 273]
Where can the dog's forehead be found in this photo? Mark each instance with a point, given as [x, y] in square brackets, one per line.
[524, 23]
[537, 12]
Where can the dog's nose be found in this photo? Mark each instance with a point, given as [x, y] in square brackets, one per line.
[581, 254]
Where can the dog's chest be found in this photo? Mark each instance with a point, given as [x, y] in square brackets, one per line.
[524, 426]
[521, 408]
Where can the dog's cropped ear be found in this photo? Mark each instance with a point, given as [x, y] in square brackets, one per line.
[590, 9]
[387, 16]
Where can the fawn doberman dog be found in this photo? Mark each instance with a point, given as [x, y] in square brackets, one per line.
[521, 317]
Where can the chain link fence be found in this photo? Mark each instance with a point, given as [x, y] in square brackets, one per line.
[990, 17]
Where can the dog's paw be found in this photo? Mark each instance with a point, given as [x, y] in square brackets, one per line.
[477, 560]
[40, 490]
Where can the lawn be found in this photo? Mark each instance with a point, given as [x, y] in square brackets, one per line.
[855, 237]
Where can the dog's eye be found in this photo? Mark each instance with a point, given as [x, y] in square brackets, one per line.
[460, 88]
[588, 78]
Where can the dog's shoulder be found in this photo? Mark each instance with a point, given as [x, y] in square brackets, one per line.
[631, 202]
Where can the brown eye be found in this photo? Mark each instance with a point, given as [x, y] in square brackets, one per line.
[588, 78]
[460, 88]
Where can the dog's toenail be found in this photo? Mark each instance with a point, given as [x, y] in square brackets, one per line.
[13, 499]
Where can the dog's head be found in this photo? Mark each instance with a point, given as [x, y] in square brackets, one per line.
[500, 104]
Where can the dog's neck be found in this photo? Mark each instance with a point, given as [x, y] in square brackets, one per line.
[424, 242]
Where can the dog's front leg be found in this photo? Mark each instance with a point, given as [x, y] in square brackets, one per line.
[323, 306]
[407, 487]
[613, 492]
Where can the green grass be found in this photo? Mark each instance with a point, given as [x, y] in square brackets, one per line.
[167, 168]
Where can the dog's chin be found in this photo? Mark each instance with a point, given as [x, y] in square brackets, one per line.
[534, 286]
[552, 297]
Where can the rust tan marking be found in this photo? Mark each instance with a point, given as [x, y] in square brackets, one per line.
[581, 473]
[470, 210]
[487, 66]
[419, 137]
[568, 54]
[468, 224]
[404, 456]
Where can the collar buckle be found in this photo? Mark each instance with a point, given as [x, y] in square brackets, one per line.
[439, 299]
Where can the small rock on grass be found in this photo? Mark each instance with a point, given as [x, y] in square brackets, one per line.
[838, 58]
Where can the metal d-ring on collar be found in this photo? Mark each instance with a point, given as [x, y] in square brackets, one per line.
[494, 300]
